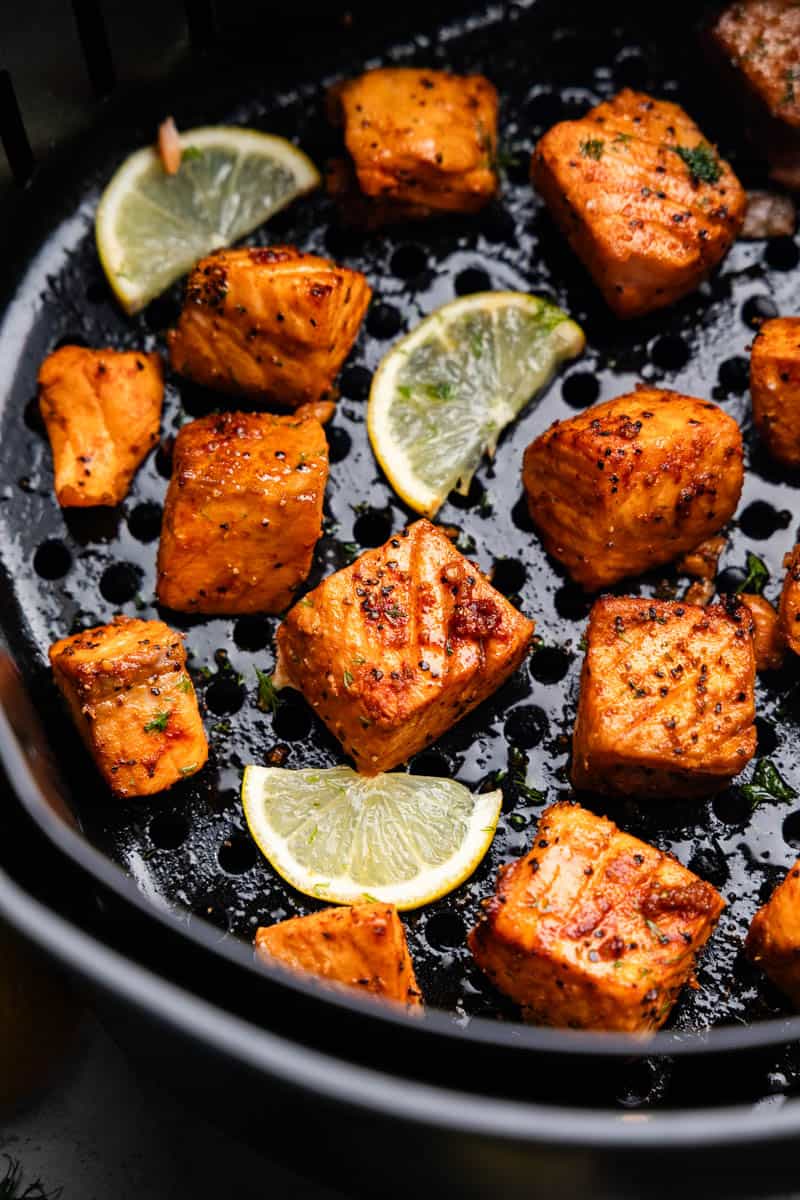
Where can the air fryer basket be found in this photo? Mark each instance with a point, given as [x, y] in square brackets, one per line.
[188, 850]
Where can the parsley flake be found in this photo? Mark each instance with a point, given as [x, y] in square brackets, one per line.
[757, 575]
[268, 699]
[703, 164]
[158, 723]
[767, 784]
[593, 148]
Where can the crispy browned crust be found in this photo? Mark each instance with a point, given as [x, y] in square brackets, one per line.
[773, 941]
[646, 228]
[789, 608]
[394, 649]
[594, 929]
[775, 386]
[419, 142]
[361, 947]
[667, 701]
[133, 702]
[633, 483]
[243, 512]
[268, 323]
[102, 410]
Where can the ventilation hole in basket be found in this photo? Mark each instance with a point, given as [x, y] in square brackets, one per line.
[237, 854]
[52, 560]
[355, 382]
[782, 254]
[408, 261]
[292, 722]
[758, 309]
[641, 1082]
[224, 695]
[521, 516]
[445, 930]
[526, 726]
[432, 763]
[791, 830]
[732, 807]
[473, 497]
[163, 312]
[760, 520]
[580, 389]
[33, 416]
[631, 70]
[730, 580]
[497, 225]
[384, 321]
[168, 830]
[572, 602]
[98, 292]
[373, 527]
[669, 352]
[733, 375]
[120, 582]
[550, 664]
[164, 457]
[470, 280]
[71, 339]
[251, 633]
[508, 575]
[767, 736]
[144, 522]
[709, 863]
[339, 443]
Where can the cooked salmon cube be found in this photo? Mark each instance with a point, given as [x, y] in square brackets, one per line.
[767, 637]
[647, 205]
[419, 141]
[775, 387]
[593, 928]
[394, 649]
[773, 941]
[102, 410]
[760, 38]
[667, 697]
[362, 947]
[789, 608]
[633, 483]
[270, 324]
[243, 512]
[133, 702]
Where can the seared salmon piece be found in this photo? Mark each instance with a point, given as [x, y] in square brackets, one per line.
[102, 410]
[767, 636]
[775, 384]
[667, 702]
[419, 142]
[271, 324]
[789, 608]
[773, 941]
[646, 204]
[394, 649]
[361, 947]
[133, 702]
[243, 512]
[594, 929]
[633, 483]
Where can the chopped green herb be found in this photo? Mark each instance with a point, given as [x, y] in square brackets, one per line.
[395, 613]
[656, 932]
[372, 899]
[350, 550]
[191, 153]
[792, 75]
[158, 723]
[517, 821]
[583, 644]
[767, 784]
[703, 164]
[223, 727]
[592, 148]
[359, 661]
[348, 679]
[306, 603]
[617, 963]
[268, 699]
[644, 971]
[623, 137]
[187, 770]
[757, 575]
[184, 684]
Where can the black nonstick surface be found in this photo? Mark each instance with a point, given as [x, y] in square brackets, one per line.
[190, 848]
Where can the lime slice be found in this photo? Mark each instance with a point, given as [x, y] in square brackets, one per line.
[152, 227]
[442, 395]
[340, 836]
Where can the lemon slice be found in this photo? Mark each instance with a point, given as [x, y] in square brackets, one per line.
[340, 836]
[443, 394]
[152, 227]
